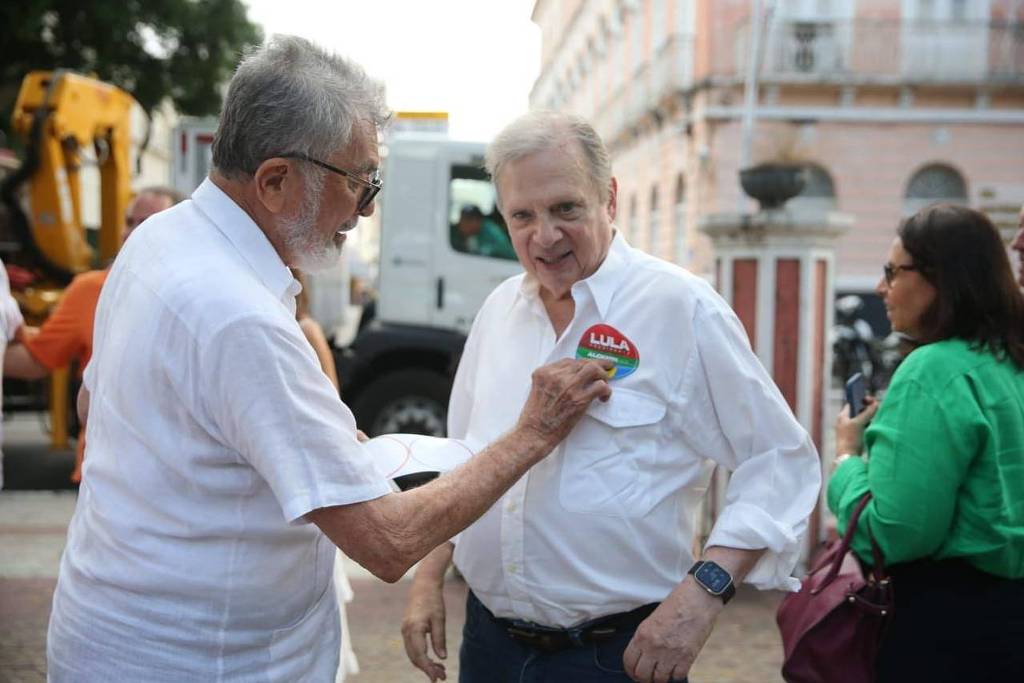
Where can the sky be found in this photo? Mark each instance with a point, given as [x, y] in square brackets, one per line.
[475, 59]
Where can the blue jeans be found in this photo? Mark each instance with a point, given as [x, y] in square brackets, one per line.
[489, 655]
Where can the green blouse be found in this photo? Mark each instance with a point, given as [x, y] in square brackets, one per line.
[945, 463]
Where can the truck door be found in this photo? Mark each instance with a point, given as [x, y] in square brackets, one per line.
[409, 207]
[473, 253]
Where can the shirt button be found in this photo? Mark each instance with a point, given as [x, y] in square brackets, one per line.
[512, 569]
[512, 506]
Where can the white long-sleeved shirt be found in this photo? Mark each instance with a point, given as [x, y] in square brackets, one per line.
[212, 432]
[606, 523]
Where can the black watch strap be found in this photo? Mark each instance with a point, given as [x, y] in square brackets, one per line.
[713, 578]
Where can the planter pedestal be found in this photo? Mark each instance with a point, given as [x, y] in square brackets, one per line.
[776, 269]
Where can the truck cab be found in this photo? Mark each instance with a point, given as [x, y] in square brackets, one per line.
[443, 248]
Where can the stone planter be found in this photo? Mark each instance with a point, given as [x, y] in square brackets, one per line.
[773, 184]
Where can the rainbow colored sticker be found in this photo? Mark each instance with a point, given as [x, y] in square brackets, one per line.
[607, 343]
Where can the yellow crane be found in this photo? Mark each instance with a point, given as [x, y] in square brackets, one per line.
[64, 119]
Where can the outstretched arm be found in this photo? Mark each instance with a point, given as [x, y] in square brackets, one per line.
[387, 535]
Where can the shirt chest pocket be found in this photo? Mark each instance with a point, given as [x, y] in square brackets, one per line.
[608, 459]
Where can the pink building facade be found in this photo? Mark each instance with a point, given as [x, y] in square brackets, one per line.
[894, 104]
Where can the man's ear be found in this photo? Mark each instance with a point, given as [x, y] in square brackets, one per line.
[613, 199]
[274, 178]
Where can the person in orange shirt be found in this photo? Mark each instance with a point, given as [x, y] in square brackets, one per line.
[67, 333]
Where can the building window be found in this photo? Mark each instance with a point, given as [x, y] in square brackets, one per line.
[679, 252]
[653, 230]
[933, 184]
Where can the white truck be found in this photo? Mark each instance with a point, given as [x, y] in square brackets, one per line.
[396, 372]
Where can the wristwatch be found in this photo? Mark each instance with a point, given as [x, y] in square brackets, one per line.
[714, 579]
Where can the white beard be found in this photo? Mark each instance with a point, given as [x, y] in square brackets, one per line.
[309, 252]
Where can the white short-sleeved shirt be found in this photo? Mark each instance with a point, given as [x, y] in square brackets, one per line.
[212, 431]
[606, 523]
[10, 321]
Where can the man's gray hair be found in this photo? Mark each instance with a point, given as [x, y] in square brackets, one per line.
[542, 130]
[290, 96]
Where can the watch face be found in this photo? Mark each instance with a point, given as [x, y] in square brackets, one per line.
[713, 577]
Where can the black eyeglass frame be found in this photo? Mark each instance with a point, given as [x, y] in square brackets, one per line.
[371, 188]
[890, 271]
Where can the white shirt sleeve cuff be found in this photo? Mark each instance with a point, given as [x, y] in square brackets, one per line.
[296, 509]
[750, 528]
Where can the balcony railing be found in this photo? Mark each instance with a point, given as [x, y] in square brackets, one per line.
[867, 50]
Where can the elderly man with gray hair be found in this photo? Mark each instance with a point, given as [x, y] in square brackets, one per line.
[222, 468]
[585, 569]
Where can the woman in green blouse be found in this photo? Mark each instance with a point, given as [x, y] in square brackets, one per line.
[943, 456]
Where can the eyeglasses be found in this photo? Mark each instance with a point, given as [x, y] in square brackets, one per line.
[370, 187]
[891, 271]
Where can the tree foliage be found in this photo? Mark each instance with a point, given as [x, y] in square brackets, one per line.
[181, 49]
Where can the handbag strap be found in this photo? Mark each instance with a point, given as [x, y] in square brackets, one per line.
[877, 570]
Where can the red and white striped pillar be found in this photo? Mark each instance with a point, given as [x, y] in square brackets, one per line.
[776, 269]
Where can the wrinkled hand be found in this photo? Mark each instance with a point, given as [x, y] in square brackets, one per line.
[424, 615]
[667, 643]
[850, 430]
[561, 392]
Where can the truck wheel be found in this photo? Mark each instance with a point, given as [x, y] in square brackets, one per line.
[405, 402]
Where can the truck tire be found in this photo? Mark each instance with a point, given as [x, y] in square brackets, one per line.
[405, 402]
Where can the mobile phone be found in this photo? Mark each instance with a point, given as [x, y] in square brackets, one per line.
[855, 391]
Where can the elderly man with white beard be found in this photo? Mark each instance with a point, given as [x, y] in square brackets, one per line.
[222, 467]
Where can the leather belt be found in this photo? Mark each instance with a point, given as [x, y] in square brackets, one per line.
[547, 639]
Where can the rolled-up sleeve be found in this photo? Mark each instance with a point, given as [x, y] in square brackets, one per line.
[776, 472]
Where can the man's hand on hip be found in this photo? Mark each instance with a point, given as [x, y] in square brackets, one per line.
[667, 643]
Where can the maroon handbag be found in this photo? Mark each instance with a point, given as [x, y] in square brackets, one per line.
[833, 627]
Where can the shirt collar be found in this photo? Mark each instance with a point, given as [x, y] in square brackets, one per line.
[602, 285]
[247, 238]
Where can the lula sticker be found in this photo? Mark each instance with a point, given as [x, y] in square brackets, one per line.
[607, 343]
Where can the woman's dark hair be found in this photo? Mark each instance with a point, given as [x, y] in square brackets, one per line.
[961, 254]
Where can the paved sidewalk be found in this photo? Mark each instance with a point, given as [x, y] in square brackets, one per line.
[744, 648]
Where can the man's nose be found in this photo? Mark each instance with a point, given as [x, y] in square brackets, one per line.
[548, 232]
